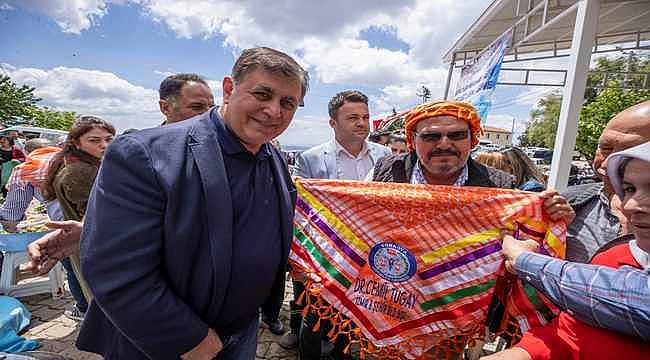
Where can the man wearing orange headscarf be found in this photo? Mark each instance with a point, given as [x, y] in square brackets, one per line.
[440, 136]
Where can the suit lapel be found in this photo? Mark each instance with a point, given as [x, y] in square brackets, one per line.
[375, 153]
[330, 160]
[287, 192]
[207, 155]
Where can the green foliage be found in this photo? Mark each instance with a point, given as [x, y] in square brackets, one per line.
[595, 115]
[53, 119]
[541, 130]
[18, 105]
[601, 105]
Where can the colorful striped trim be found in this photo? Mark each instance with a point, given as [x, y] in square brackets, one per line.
[322, 260]
[320, 224]
[426, 320]
[460, 261]
[555, 244]
[532, 232]
[549, 237]
[335, 256]
[537, 302]
[463, 277]
[458, 294]
[337, 224]
[459, 244]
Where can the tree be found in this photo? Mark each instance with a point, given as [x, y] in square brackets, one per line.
[600, 106]
[53, 119]
[541, 130]
[16, 103]
[595, 115]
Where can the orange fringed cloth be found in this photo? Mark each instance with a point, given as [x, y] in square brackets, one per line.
[403, 268]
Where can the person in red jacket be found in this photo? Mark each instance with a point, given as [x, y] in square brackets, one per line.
[569, 338]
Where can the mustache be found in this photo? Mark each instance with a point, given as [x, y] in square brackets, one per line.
[448, 152]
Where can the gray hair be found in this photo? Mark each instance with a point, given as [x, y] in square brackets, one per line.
[33, 144]
[273, 61]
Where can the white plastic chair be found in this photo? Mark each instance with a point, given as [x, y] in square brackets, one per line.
[14, 248]
[8, 279]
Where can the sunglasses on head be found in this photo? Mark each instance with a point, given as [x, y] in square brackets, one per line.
[435, 136]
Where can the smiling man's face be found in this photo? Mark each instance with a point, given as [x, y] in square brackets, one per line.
[260, 106]
[443, 144]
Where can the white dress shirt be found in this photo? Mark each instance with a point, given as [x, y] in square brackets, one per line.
[350, 167]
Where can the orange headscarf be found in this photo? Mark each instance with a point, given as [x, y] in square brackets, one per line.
[458, 109]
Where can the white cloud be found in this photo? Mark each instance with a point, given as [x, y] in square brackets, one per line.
[72, 16]
[307, 130]
[5, 7]
[91, 92]
[163, 73]
[531, 95]
[325, 36]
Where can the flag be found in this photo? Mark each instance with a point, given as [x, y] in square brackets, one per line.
[413, 265]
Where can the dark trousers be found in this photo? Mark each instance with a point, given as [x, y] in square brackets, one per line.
[295, 319]
[241, 345]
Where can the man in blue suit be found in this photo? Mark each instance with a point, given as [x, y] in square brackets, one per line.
[188, 227]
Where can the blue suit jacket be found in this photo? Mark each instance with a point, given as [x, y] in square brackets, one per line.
[157, 241]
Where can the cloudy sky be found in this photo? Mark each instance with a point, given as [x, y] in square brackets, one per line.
[107, 57]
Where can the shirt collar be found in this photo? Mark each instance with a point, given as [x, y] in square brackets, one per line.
[230, 143]
[364, 149]
[642, 257]
[418, 176]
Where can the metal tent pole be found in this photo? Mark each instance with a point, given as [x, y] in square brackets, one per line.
[451, 70]
[584, 35]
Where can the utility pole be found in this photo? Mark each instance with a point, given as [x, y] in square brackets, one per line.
[512, 132]
[424, 93]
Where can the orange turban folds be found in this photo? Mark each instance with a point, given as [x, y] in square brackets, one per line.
[458, 109]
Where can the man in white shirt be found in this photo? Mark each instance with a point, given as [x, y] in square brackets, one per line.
[349, 156]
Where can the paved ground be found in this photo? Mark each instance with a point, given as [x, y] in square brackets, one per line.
[57, 333]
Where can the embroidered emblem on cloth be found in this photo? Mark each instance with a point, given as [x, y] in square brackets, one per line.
[404, 268]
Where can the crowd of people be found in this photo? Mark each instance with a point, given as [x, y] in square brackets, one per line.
[164, 241]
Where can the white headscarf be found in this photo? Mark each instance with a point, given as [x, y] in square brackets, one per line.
[614, 161]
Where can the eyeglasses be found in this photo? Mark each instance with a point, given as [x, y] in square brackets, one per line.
[435, 137]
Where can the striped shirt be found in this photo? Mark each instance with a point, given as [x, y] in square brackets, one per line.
[418, 177]
[614, 299]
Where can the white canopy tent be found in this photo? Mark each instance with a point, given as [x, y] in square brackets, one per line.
[544, 29]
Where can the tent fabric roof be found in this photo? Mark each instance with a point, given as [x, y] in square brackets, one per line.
[616, 17]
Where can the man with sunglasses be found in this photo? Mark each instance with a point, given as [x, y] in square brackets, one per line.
[440, 136]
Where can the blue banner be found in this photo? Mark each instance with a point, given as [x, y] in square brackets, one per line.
[478, 80]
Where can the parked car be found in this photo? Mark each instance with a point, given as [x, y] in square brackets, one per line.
[36, 132]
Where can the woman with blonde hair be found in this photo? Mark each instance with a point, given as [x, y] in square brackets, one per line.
[515, 162]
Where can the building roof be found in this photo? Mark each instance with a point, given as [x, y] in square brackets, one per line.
[487, 128]
[619, 21]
